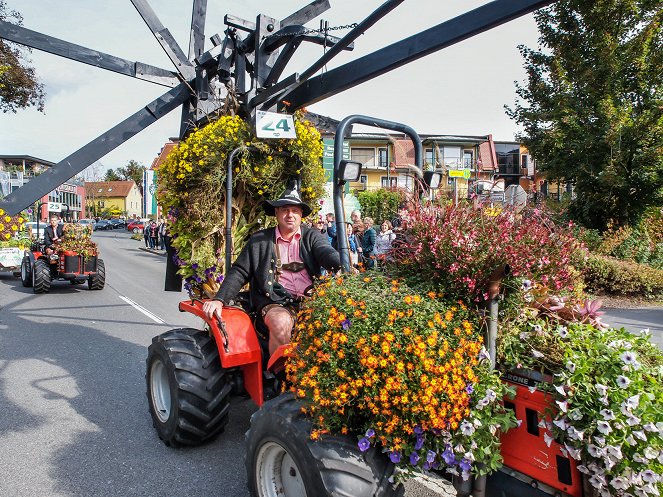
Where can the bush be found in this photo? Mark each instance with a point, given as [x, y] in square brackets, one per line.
[381, 205]
[607, 275]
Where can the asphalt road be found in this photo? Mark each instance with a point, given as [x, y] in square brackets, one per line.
[74, 418]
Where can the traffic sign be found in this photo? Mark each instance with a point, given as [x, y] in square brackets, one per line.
[460, 173]
[274, 125]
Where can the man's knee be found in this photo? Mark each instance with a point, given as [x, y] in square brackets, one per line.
[280, 322]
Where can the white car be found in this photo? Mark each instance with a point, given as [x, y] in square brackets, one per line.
[33, 228]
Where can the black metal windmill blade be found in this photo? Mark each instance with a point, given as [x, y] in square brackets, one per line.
[245, 68]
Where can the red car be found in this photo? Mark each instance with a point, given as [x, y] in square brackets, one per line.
[136, 226]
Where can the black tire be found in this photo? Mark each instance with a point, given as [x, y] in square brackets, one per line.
[98, 281]
[281, 458]
[26, 272]
[187, 389]
[41, 277]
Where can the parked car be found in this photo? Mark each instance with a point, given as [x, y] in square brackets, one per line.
[117, 223]
[88, 222]
[104, 224]
[136, 226]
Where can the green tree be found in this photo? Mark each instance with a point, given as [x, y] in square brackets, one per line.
[19, 86]
[133, 171]
[112, 175]
[592, 105]
[381, 205]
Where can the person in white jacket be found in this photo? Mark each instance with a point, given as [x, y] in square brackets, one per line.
[384, 239]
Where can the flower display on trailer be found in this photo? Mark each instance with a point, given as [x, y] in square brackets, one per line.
[78, 238]
[11, 228]
[192, 189]
[460, 246]
[404, 370]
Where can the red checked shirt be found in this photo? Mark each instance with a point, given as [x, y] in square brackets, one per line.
[297, 282]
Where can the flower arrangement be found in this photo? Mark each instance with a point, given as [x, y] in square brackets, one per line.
[78, 238]
[192, 189]
[11, 229]
[406, 371]
[461, 245]
[608, 393]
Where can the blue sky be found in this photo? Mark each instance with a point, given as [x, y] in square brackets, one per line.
[458, 90]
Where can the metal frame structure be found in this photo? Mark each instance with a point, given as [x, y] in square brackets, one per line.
[246, 67]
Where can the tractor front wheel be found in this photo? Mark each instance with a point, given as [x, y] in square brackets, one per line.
[282, 459]
[187, 389]
[97, 281]
[26, 272]
[41, 276]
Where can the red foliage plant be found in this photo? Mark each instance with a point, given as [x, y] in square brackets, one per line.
[457, 248]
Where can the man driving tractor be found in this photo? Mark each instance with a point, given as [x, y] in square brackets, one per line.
[53, 234]
[280, 264]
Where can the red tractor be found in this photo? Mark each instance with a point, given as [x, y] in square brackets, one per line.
[192, 374]
[39, 269]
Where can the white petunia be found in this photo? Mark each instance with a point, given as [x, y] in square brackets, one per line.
[536, 354]
[601, 389]
[645, 331]
[633, 420]
[574, 433]
[547, 439]
[651, 427]
[583, 469]
[561, 424]
[600, 441]
[524, 335]
[648, 476]
[563, 331]
[619, 483]
[641, 435]
[633, 401]
[466, 428]
[563, 406]
[561, 389]
[623, 381]
[483, 354]
[629, 358]
[597, 481]
[630, 440]
[651, 453]
[574, 453]
[607, 414]
[614, 452]
[637, 457]
[571, 366]
[595, 451]
[603, 427]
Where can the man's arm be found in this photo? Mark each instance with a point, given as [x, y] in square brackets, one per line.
[325, 255]
[238, 276]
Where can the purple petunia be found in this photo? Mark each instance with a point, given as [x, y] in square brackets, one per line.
[364, 444]
[346, 324]
[395, 456]
[419, 443]
[465, 464]
[418, 430]
[370, 433]
[194, 266]
[448, 457]
[414, 458]
[430, 456]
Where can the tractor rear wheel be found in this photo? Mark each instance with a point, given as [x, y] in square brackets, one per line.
[26, 272]
[97, 281]
[41, 277]
[281, 458]
[187, 389]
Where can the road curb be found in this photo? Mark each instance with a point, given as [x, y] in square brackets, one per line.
[162, 253]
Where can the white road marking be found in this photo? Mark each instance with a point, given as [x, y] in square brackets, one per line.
[142, 309]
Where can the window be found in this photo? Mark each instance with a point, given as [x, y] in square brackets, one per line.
[363, 179]
[468, 159]
[391, 182]
[429, 157]
[100, 190]
[364, 155]
[383, 157]
[508, 158]
[452, 157]
[110, 189]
